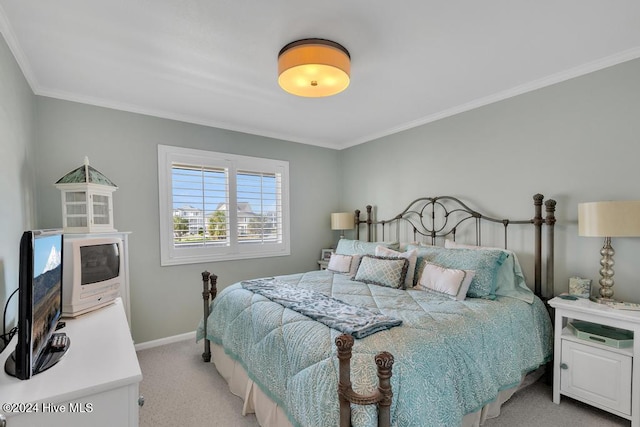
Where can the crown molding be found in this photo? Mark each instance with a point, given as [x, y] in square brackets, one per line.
[560, 77]
[9, 35]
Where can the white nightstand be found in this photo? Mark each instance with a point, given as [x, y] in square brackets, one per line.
[323, 264]
[602, 376]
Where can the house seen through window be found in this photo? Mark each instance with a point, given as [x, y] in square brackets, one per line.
[222, 206]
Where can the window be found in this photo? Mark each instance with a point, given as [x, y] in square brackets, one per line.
[217, 206]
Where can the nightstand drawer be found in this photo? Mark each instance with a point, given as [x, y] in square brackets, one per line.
[596, 375]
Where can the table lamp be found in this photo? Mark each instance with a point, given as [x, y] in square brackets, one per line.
[608, 219]
[342, 221]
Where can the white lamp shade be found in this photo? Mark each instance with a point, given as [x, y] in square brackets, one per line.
[342, 221]
[609, 219]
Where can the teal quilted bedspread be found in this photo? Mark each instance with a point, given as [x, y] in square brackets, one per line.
[451, 357]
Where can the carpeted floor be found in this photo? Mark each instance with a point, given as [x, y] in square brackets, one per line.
[181, 390]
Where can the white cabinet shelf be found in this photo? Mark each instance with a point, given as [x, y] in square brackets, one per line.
[100, 368]
[596, 376]
[602, 376]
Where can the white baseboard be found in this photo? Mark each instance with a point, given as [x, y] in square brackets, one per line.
[167, 340]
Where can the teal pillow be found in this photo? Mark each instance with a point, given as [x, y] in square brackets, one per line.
[357, 247]
[383, 271]
[485, 263]
[510, 281]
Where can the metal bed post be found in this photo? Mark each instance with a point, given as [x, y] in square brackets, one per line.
[206, 292]
[368, 221]
[537, 222]
[369, 224]
[550, 221]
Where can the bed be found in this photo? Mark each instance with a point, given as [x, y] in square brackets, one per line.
[471, 332]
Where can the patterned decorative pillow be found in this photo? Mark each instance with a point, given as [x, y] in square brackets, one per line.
[412, 256]
[448, 281]
[383, 271]
[344, 264]
[485, 263]
[357, 247]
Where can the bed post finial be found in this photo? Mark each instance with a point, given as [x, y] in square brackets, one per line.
[384, 361]
[550, 208]
[213, 279]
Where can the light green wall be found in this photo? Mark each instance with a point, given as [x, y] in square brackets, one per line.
[16, 174]
[575, 141]
[167, 301]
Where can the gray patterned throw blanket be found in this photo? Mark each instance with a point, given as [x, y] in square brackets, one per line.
[356, 321]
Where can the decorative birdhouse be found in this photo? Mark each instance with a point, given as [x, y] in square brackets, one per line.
[87, 200]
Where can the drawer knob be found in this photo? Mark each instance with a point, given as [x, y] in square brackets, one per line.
[564, 366]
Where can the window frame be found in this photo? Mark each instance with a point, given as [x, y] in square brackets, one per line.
[168, 156]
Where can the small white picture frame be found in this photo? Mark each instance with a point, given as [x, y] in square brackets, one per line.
[325, 255]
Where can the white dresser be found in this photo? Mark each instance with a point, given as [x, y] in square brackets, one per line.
[96, 383]
[602, 376]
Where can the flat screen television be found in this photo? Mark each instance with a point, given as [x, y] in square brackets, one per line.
[93, 273]
[39, 303]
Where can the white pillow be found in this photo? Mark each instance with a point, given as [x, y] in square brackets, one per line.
[448, 281]
[452, 244]
[344, 264]
[411, 255]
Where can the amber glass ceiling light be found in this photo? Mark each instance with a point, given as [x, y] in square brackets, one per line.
[314, 68]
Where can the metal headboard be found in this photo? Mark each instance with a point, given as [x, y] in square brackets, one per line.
[439, 217]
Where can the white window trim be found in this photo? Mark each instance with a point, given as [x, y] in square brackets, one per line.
[169, 255]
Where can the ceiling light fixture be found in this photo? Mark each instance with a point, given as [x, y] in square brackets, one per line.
[314, 68]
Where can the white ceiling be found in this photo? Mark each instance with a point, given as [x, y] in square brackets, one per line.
[214, 62]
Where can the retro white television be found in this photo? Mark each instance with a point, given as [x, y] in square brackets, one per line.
[93, 274]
